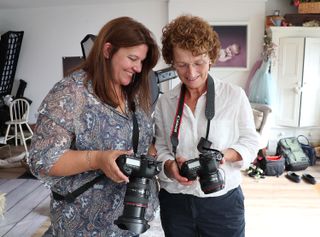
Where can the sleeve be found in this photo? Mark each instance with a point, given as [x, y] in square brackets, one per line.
[54, 132]
[248, 143]
[162, 138]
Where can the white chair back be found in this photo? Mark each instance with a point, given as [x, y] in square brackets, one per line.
[19, 115]
[19, 110]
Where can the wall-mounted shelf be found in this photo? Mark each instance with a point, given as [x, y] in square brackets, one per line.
[299, 19]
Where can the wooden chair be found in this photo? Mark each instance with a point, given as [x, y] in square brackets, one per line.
[261, 114]
[19, 115]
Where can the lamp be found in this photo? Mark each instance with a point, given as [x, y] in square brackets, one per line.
[86, 44]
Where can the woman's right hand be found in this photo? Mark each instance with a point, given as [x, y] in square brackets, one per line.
[172, 171]
[106, 161]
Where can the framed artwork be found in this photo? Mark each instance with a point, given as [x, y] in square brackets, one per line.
[234, 45]
[68, 63]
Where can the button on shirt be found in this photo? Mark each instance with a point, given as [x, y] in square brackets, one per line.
[232, 127]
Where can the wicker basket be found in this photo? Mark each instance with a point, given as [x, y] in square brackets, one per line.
[309, 7]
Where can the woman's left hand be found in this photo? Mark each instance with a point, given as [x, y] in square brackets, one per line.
[106, 161]
[230, 155]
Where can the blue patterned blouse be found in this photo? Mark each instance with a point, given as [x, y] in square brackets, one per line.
[72, 117]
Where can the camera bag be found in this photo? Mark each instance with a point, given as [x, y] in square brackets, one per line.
[308, 149]
[271, 165]
[295, 158]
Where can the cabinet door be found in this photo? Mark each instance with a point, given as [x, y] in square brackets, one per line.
[289, 81]
[310, 100]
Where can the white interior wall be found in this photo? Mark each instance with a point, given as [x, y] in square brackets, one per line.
[54, 32]
[51, 33]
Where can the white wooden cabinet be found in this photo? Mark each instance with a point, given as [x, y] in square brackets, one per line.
[296, 71]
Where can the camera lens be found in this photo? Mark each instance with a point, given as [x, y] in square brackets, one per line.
[211, 183]
[210, 178]
[135, 204]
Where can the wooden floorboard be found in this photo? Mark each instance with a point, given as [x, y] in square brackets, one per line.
[9, 185]
[279, 207]
[28, 188]
[23, 197]
[32, 221]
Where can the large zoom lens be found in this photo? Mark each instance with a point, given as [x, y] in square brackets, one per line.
[140, 171]
[210, 178]
[135, 204]
[211, 183]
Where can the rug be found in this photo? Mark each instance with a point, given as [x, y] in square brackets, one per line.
[13, 161]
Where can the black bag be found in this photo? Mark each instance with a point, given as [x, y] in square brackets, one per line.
[271, 165]
[308, 149]
[295, 158]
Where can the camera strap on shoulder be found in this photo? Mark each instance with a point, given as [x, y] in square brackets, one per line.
[135, 129]
[71, 196]
[209, 112]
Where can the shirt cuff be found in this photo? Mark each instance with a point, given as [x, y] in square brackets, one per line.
[246, 157]
[162, 175]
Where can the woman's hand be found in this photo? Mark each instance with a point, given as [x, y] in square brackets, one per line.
[230, 155]
[172, 171]
[106, 161]
[152, 151]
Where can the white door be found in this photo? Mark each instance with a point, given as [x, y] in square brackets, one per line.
[310, 100]
[289, 81]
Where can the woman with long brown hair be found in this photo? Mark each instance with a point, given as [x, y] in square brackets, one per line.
[85, 124]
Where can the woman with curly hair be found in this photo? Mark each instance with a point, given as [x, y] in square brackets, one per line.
[205, 134]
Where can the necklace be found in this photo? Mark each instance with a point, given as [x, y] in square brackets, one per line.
[121, 101]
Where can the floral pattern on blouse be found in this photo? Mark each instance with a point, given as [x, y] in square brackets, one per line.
[72, 117]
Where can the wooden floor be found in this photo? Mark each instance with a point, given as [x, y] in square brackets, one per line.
[27, 202]
[274, 206]
[279, 207]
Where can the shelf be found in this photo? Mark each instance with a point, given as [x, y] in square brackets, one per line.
[299, 19]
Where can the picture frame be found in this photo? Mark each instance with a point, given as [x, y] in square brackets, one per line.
[70, 62]
[234, 53]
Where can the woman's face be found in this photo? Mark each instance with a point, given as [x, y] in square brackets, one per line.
[126, 62]
[192, 70]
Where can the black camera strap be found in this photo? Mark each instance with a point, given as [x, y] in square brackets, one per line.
[177, 120]
[209, 112]
[71, 196]
[135, 129]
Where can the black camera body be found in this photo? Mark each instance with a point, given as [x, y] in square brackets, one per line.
[140, 170]
[139, 166]
[206, 167]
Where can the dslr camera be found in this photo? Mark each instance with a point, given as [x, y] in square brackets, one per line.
[140, 170]
[207, 168]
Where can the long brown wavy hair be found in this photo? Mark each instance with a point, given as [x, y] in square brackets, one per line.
[191, 33]
[121, 32]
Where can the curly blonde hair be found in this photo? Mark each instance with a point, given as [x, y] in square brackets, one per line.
[190, 33]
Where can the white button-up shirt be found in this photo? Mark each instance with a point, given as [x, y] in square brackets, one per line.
[232, 127]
